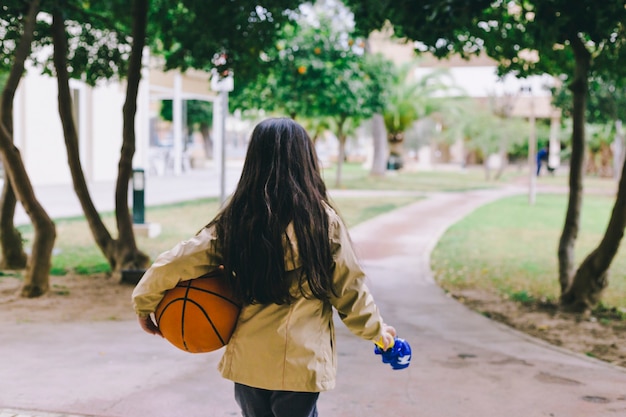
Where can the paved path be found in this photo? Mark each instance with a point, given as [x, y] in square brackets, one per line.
[463, 364]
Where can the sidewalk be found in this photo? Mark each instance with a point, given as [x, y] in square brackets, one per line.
[463, 364]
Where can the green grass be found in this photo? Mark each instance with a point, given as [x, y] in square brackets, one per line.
[354, 177]
[511, 247]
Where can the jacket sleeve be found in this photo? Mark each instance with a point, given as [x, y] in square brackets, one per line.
[353, 300]
[187, 260]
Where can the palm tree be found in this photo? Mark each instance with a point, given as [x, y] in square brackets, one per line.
[409, 100]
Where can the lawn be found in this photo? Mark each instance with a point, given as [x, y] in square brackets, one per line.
[511, 246]
[439, 179]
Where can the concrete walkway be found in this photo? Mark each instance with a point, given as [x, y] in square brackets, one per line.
[463, 364]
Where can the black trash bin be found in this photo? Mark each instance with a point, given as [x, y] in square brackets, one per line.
[394, 162]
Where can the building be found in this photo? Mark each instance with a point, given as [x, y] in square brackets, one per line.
[38, 131]
[477, 78]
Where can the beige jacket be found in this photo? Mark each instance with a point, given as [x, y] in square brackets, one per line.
[276, 347]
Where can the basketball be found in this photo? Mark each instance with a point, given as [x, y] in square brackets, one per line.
[198, 315]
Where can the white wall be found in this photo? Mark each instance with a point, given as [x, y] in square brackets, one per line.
[106, 131]
[39, 134]
[482, 81]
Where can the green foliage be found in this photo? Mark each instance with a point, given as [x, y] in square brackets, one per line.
[199, 113]
[522, 297]
[187, 33]
[605, 104]
[600, 135]
[99, 39]
[507, 31]
[12, 13]
[379, 71]
[316, 69]
[232, 36]
[410, 99]
[436, 24]
[481, 129]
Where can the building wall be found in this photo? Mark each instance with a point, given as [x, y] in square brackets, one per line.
[39, 134]
[38, 131]
[106, 132]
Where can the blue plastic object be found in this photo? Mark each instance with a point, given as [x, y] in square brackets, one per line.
[398, 355]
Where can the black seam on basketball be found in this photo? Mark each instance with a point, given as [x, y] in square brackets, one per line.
[209, 320]
[204, 290]
[158, 319]
[182, 316]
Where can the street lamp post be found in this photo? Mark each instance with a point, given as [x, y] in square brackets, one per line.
[532, 148]
[220, 110]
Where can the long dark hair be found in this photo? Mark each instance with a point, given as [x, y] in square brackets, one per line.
[280, 184]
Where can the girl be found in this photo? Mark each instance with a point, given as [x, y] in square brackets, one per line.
[290, 261]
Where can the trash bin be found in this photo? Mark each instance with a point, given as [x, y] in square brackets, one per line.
[139, 186]
[394, 162]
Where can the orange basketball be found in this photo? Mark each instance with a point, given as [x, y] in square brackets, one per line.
[198, 315]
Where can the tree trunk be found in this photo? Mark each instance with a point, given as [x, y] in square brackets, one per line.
[121, 253]
[207, 140]
[606, 157]
[579, 88]
[618, 150]
[591, 168]
[395, 143]
[342, 150]
[592, 276]
[37, 274]
[101, 235]
[13, 255]
[503, 159]
[127, 255]
[379, 135]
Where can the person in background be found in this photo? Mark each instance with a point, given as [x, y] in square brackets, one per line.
[542, 156]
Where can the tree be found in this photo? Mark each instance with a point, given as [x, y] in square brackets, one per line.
[38, 264]
[544, 37]
[194, 34]
[95, 56]
[481, 130]
[408, 100]
[121, 253]
[100, 38]
[199, 117]
[380, 71]
[371, 16]
[317, 70]
[529, 37]
[606, 109]
[13, 255]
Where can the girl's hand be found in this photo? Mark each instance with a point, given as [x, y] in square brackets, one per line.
[148, 325]
[387, 339]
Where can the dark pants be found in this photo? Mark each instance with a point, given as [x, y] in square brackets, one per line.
[257, 402]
